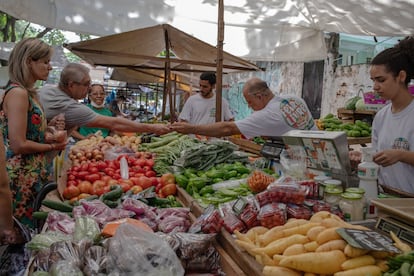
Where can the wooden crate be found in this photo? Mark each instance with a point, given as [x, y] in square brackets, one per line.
[241, 258]
[246, 145]
[350, 116]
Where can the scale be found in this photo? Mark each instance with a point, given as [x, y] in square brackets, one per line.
[402, 230]
[272, 148]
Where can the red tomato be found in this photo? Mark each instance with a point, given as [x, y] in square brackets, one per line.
[140, 162]
[147, 168]
[82, 175]
[116, 176]
[84, 167]
[106, 178]
[70, 192]
[72, 183]
[169, 189]
[167, 178]
[136, 189]
[150, 173]
[135, 180]
[125, 186]
[85, 186]
[112, 182]
[75, 168]
[71, 176]
[138, 174]
[101, 165]
[155, 180]
[145, 182]
[109, 171]
[149, 162]
[93, 177]
[93, 169]
[99, 187]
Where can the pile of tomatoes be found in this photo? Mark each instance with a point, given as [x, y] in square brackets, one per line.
[96, 177]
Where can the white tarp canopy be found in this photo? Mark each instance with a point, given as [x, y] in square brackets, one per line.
[266, 30]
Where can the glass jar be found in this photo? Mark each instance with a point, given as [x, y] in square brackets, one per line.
[320, 179]
[333, 183]
[333, 195]
[360, 191]
[352, 206]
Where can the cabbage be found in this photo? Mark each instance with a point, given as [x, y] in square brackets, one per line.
[360, 105]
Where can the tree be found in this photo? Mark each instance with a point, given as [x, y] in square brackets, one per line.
[13, 30]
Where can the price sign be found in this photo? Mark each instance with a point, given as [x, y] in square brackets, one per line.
[368, 239]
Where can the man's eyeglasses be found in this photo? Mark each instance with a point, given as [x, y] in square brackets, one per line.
[86, 84]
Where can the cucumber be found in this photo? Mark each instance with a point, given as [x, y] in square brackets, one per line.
[40, 215]
[113, 195]
[57, 205]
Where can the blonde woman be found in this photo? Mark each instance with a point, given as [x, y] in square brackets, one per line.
[24, 124]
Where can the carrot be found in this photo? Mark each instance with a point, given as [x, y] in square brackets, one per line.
[353, 252]
[295, 226]
[277, 270]
[328, 235]
[358, 262]
[332, 245]
[251, 234]
[314, 231]
[315, 262]
[264, 259]
[371, 270]
[278, 246]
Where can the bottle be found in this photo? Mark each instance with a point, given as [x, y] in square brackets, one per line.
[320, 179]
[368, 178]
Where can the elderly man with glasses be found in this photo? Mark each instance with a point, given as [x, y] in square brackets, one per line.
[272, 115]
[74, 85]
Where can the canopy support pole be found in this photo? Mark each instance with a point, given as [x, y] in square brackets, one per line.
[219, 70]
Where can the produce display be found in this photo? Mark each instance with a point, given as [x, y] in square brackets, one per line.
[333, 123]
[120, 196]
[314, 246]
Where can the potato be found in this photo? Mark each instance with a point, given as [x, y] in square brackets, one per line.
[314, 232]
[353, 252]
[358, 262]
[332, 245]
[294, 249]
[328, 235]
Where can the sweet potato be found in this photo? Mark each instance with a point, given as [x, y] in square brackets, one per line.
[315, 262]
[328, 235]
[332, 245]
[371, 270]
[358, 262]
[241, 236]
[278, 246]
[314, 232]
[294, 249]
[353, 252]
[311, 246]
[405, 248]
[254, 231]
[248, 246]
[277, 270]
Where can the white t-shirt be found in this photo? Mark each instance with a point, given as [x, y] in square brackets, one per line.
[395, 131]
[280, 115]
[55, 101]
[199, 111]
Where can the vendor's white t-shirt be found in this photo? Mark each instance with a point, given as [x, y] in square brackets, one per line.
[395, 131]
[199, 111]
[280, 115]
[55, 101]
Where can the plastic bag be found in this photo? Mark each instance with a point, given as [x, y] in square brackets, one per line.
[133, 251]
[114, 152]
[293, 161]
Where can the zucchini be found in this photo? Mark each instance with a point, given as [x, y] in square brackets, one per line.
[57, 205]
[40, 215]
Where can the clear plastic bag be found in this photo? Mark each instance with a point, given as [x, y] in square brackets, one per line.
[133, 251]
[293, 161]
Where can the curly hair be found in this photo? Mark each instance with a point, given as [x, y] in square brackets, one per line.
[398, 58]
